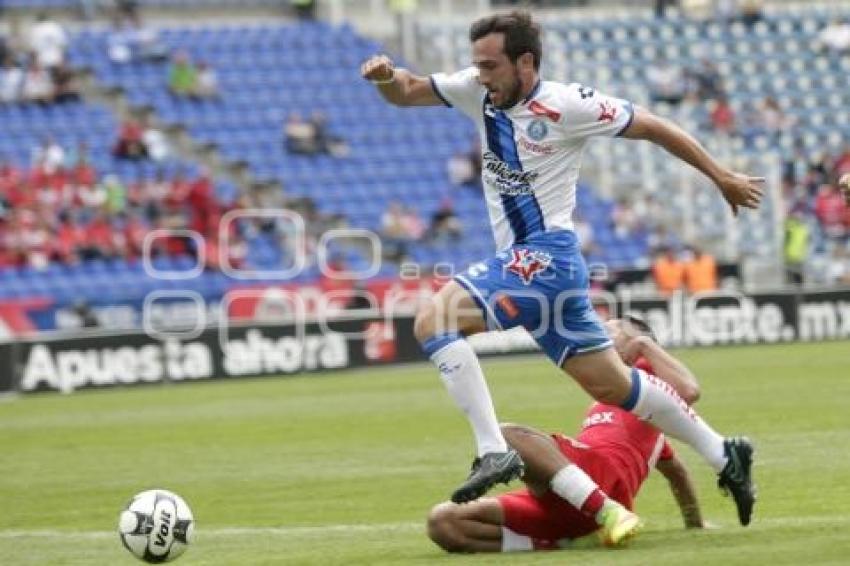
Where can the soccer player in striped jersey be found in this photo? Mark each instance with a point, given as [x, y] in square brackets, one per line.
[533, 133]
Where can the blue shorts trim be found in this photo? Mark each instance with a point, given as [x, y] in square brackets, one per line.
[570, 352]
[489, 316]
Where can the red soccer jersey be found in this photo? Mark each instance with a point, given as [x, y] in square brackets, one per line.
[632, 443]
[615, 448]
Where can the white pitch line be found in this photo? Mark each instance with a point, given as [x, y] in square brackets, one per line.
[815, 520]
[229, 531]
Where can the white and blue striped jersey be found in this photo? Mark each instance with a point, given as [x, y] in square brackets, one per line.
[532, 152]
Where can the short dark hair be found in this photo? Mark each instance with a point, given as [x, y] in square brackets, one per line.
[522, 34]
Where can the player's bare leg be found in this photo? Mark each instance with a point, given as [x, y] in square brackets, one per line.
[440, 327]
[546, 468]
[608, 380]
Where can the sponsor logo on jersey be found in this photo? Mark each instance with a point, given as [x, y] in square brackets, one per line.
[508, 306]
[542, 110]
[528, 263]
[537, 129]
[538, 148]
[606, 417]
[607, 112]
[507, 181]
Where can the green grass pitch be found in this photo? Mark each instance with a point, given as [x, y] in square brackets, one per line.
[342, 468]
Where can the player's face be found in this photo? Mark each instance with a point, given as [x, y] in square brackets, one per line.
[496, 72]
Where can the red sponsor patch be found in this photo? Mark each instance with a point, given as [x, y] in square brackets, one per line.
[507, 304]
[542, 110]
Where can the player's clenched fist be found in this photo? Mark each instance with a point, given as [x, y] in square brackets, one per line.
[378, 68]
[844, 186]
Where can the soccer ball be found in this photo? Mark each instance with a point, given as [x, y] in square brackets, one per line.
[156, 526]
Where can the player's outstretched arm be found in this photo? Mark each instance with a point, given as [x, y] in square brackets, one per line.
[399, 86]
[664, 365]
[683, 490]
[738, 189]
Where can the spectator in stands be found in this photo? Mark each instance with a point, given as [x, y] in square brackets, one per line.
[796, 247]
[624, 219]
[835, 37]
[147, 44]
[49, 155]
[300, 135]
[395, 233]
[668, 272]
[722, 116]
[464, 168]
[116, 194]
[708, 84]
[445, 225]
[182, 76]
[11, 81]
[69, 237]
[207, 87]
[831, 211]
[772, 118]
[130, 144]
[666, 82]
[155, 141]
[65, 85]
[38, 84]
[700, 271]
[78, 163]
[325, 141]
[48, 42]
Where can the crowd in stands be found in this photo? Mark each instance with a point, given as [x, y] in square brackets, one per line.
[818, 218]
[61, 209]
[401, 226]
[34, 68]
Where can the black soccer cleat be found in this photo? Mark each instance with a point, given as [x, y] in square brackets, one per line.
[487, 471]
[736, 476]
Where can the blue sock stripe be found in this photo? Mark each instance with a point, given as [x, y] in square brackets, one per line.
[439, 341]
[634, 394]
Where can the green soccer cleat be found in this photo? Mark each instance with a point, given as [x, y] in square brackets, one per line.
[618, 525]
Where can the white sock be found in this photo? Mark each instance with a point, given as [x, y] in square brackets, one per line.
[657, 402]
[514, 542]
[572, 484]
[464, 380]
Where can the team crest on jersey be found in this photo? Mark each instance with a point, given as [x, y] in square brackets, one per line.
[537, 129]
[528, 263]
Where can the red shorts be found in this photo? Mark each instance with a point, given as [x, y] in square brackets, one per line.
[550, 518]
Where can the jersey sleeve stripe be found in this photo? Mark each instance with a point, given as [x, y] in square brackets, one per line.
[437, 91]
[631, 109]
